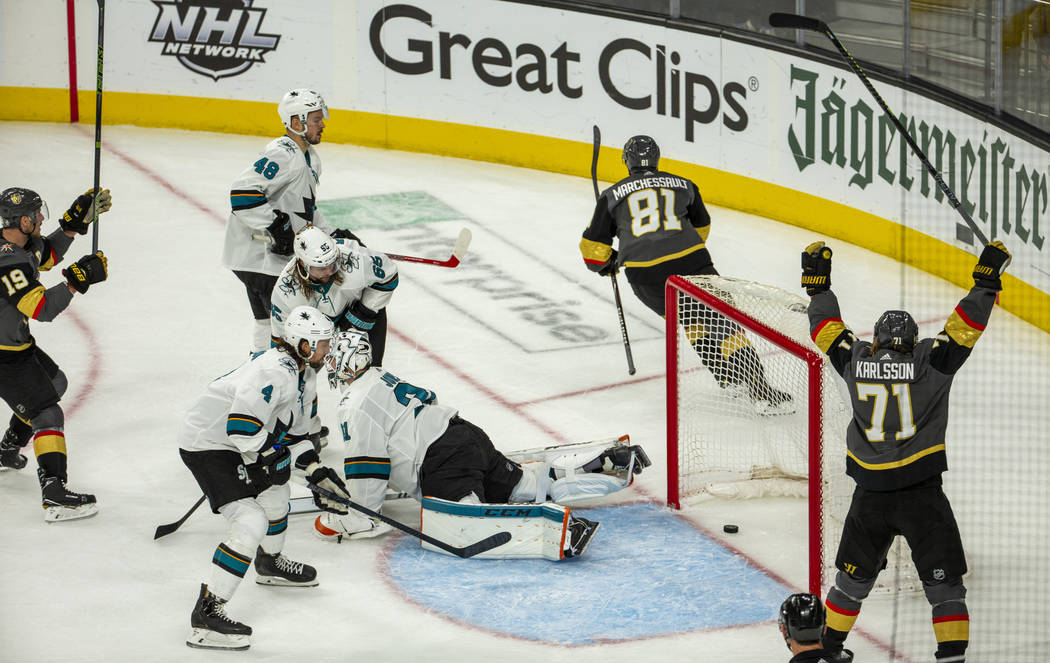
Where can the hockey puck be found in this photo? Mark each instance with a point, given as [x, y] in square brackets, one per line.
[730, 529]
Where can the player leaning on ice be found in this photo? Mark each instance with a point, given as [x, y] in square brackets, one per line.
[397, 434]
[241, 440]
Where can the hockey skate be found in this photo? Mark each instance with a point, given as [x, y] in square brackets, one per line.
[279, 570]
[212, 629]
[770, 401]
[580, 532]
[11, 457]
[62, 504]
[335, 528]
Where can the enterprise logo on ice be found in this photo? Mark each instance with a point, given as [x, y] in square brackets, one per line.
[217, 38]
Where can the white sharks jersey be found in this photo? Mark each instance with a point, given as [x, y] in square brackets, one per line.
[283, 178]
[388, 425]
[240, 409]
[369, 277]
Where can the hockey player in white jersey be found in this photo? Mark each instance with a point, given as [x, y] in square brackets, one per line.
[397, 434]
[276, 194]
[341, 278]
[241, 440]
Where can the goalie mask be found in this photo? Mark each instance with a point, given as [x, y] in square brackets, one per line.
[350, 358]
[17, 202]
[305, 323]
[641, 153]
[802, 617]
[300, 103]
[896, 330]
[315, 248]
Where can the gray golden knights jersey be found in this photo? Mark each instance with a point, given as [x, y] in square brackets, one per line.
[240, 409]
[900, 402]
[388, 425]
[657, 218]
[284, 178]
[368, 277]
[23, 297]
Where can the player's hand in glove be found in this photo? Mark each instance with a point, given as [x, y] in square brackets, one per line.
[81, 213]
[610, 266]
[991, 265]
[343, 233]
[282, 233]
[816, 268]
[326, 478]
[92, 268]
[273, 468]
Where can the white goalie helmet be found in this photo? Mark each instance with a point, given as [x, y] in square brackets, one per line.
[309, 324]
[299, 103]
[315, 248]
[350, 357]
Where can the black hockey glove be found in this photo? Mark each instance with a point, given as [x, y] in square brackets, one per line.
[81, 213]
[991, 265]
[343, 233]
[273, 468]
[325, 477]
[357, 316]
[281, 232]
[816, 268]
[610, 266]
[92, 268]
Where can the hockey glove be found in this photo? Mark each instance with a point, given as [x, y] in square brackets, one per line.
[991, 265]
[76, 219]
[92, 268]
[325, 477]
[357, 316]
[816, 268]
[610, 266]
[282, 233]
[343, 233]
[273, 468]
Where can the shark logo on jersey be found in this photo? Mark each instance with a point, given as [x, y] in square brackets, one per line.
[217, 38]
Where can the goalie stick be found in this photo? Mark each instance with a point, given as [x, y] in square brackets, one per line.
[615, 285]
[488, 543]
[780, 20]
[458, 250]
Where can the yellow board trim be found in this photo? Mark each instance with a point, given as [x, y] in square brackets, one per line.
[827, 219]
[897, 463]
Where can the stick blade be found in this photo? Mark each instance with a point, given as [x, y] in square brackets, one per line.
[485, 544]
[462, 244]
[781, 20]
[164, 530]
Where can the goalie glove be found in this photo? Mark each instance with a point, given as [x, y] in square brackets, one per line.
[325, 477]
[76, 217]
[282, 233]
[92, 268]
[991, 265]
[816, 268]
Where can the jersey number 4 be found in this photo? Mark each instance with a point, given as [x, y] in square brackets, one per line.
[647, 214]
[877, 391]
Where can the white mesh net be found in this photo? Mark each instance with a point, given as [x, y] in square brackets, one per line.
[742, 411]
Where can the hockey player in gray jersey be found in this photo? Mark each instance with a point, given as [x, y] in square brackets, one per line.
[341, 278]
[896, 446]
[397, 434]
[243, 440]
[277, 195]
[31, 383]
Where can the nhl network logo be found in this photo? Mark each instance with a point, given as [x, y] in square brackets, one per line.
[217, 38]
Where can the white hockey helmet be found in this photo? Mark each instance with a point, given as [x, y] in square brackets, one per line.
[309, 324]
[299, 103]
[350, 357]
[315, 248]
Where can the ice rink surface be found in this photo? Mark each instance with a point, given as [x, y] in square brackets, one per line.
[521, 338]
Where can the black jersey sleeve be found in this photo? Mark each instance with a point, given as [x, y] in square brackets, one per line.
[596, 245]
[827, 330]
[53, 249]
[699, 217]
[965, 325]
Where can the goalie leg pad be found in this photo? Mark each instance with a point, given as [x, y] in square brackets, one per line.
[585, 486]
[537, 530]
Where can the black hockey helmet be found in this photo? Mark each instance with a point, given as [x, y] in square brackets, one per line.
[641, 153]
[802, 616]
[17, 202]
[896, 330]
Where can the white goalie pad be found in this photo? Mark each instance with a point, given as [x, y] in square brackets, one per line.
[537, 530]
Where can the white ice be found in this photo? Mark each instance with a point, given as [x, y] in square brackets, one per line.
[139, 348]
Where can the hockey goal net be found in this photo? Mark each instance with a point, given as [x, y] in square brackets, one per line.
[754, 410]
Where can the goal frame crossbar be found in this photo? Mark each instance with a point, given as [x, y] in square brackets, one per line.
[814, 366]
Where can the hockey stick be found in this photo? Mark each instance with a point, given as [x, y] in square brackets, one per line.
[488, 543]
[305, 504]
[164, 530]
[615, 284]
[98, 122]
[458, 250]
[779, 20]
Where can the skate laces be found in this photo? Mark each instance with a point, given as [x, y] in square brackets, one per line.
[218, 609]
[287, 565]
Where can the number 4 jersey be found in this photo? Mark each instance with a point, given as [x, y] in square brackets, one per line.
[900, 401]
